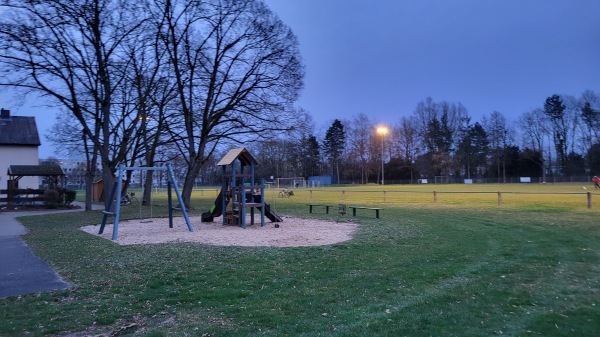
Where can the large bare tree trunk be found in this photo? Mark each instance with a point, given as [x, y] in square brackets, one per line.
[188, 184]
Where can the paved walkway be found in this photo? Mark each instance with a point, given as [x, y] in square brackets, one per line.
[21, 272]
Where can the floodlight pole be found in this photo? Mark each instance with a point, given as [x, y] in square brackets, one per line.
[383, 131]
[382, 170]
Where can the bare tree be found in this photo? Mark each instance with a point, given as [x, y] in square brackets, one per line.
[535, 128]
[237, 71]
[305, 147]
[405, 139]
[154, 99]
[360, 138]
[572, 120]
[589, 106]
[68, 52]
[439, 125]
[589, 110]
[405, 144]
[498, 133]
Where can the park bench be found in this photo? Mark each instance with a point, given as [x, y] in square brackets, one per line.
[354, 208]
[310, 207]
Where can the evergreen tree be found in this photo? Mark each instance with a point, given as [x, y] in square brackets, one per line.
[310, 156]
[440, 142]
[593, 156]
[473, 149]
[335, 140]
[555, 109]
[531, 163]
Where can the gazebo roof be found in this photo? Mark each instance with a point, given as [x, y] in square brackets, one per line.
[35, 170]
[241, 153]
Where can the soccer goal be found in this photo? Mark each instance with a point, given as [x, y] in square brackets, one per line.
[442, 179]
[291, 182]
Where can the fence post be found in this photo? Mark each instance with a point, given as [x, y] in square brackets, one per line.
[384, 196]
[434, 196]
[499, 198]
[310, 197]
[343, 193]
[589, 199]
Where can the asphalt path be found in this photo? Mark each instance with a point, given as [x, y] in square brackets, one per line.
[21, 272]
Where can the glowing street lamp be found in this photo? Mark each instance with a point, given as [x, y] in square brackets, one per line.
[382, 130]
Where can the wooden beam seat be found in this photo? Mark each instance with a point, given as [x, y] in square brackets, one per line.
[354, 208]
[310, 207]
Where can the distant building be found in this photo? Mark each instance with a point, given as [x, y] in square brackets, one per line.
[74, 171]
[19, 142]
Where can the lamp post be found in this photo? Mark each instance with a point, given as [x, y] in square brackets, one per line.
[382, 131]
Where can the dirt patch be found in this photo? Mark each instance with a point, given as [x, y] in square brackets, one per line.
[292, 232]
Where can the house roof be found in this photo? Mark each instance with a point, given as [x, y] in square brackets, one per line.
[19, 130]
[242, 154]
[35, 170]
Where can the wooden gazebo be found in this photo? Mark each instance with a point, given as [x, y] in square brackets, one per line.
[52, 172]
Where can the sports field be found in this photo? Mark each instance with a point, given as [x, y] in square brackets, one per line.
[565, 196]
[461, 265]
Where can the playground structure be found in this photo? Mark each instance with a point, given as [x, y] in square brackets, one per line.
[117, 191]
[239, 192]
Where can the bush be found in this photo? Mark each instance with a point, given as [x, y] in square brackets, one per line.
[70, 197]
[51, 198]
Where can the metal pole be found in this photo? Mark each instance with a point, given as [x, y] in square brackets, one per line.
[179, 198]
[383, 131]
[382, 173]
[120, 172]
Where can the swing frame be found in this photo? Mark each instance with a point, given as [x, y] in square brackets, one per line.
[118, 188]
[143, 179]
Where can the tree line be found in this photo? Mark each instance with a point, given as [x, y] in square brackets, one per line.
[560, 138]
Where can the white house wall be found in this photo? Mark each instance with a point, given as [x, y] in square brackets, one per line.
[18, 155]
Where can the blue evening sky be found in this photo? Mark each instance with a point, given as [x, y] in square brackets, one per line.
[382, 57]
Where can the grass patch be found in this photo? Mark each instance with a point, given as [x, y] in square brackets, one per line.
[456, 267]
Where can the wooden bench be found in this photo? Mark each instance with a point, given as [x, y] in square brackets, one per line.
[354, 208]
[310, 207]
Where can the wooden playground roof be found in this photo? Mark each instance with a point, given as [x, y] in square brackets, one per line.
[241, 153]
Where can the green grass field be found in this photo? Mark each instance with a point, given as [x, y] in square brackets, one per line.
[460, 266]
